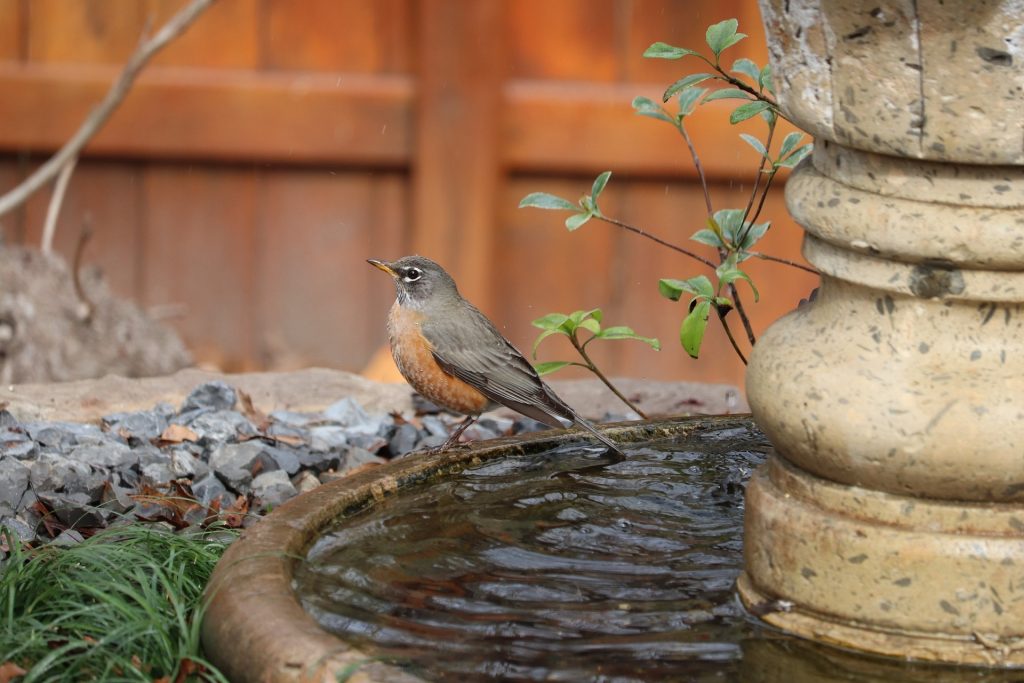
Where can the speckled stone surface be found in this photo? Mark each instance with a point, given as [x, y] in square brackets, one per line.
[892, 513]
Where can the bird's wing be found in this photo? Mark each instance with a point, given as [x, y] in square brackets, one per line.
[481, 357]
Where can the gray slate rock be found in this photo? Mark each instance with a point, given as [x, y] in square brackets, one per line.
[434, 426]
[111, 456]
[67, 539]
[357, 457]
[7, 419]
[218, 426]
[157, 473]
[305, 481]
[209, 488]
[404, 439]
[273, 488]
[215, 395]
[286, 459]
[183, 464]
[20, 528]
[22, 450]
[349, 414]
[55, 472]
[14, 480]
[292, 419]
[327, 437]
[141, 427]
[235, 463]
[319, 461]
[75, 509]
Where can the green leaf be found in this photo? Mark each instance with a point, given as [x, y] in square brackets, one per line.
[796, 157]
[551, 321]
[755, 143]
[661, 50]
[599, 184]
[623, 332]
[673, 289]
[691, 333]
[591, 326]
[723, 35]
[544, 335]
[788, 144]
[645, 106]
[688, 100]
[723, 303]
[576, 221]
[684, 83]
[728, 94]
[747, 68]
[769, 116]
[748, 110]
[764, 81]
[730, 275]
[729, 221]
[709, 237]
[550, 366]
[543, 200]
[578, 317]
[754, 233]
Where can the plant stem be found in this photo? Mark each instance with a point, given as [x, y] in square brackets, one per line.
[697, 165]
[735, 82]
[764, 195]
[732, 340]
[757, 184]
[742, 313]
[600, 375]
[632, 228]
[787, 262]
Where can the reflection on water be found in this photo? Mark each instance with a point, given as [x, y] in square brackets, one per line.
[565, 566]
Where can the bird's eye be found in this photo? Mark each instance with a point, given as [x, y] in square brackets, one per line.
[413, 274]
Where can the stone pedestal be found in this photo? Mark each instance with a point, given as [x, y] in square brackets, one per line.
[892, 513]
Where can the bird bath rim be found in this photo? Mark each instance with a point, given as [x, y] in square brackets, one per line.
[255, 629]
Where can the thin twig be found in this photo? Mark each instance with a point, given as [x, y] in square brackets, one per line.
[86, 307]
[697, 165]
[747, 327]
[737, 83]
[786, 262]
[98, 116]
[600, 375]
[56, 200]
[764, 195]
[643, 233]
[757, 183]
[732, 340]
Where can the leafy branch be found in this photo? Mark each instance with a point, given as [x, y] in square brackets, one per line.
[733, 232]
[589, 321]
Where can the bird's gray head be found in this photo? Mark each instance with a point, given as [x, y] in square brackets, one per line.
[418, 280]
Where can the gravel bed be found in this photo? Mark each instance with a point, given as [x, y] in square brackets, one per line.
[215, 458]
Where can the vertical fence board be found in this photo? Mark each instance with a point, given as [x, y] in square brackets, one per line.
[197, 251]
[456, 168]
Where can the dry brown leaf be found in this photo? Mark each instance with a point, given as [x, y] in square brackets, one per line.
[9, 671]
[177, 433]
[256, 416]
[287, 439]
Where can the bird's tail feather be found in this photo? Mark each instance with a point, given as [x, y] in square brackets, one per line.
[597, 435]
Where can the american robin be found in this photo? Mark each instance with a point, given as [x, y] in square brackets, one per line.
[453, 355]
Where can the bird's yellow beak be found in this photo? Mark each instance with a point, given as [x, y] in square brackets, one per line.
[383, 266]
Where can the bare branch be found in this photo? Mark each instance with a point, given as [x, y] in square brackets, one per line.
[98, 116]
[85, 306]
[643, 233]
[697, 165]
[56, 200]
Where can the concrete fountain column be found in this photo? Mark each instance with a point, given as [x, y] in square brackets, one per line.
[890, 517]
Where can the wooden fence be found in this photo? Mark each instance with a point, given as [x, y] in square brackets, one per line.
[278, 144]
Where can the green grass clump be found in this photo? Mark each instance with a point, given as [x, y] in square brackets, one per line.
[124, 605]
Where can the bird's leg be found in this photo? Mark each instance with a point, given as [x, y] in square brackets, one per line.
[454, 438]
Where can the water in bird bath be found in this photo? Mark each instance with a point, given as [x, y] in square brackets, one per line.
[564, 566]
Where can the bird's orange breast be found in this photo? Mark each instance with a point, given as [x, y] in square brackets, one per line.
[415, 360]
